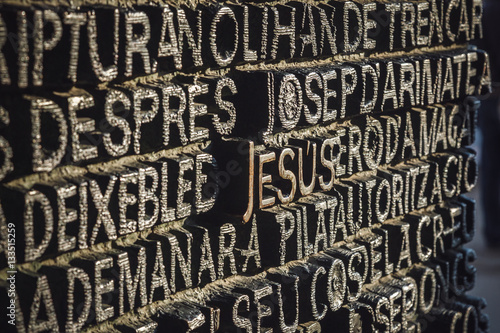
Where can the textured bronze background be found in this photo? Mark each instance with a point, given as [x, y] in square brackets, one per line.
[178, 166]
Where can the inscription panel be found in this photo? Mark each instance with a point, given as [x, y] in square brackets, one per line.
[258, 167]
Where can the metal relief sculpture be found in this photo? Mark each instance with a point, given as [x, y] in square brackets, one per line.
[239, 166]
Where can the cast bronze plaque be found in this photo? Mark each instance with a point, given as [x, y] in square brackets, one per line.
[178, 166]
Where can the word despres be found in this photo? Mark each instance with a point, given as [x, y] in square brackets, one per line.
[42, 132]
[54, 47]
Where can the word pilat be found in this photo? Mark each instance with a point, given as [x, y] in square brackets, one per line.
[51, 46]
[42, 132]
[325, 219]
[79, 212]
[387, 248]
